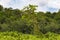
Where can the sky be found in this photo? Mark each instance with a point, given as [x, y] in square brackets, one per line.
[43, 5]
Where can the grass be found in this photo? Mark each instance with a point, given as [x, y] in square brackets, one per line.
[21, 36]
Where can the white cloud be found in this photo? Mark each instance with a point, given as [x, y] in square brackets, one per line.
[43, 5]
[54, 3]
[4, 2]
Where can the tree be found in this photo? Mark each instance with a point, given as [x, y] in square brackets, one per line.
[1, 8]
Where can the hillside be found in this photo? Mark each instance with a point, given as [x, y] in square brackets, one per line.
[31, 24]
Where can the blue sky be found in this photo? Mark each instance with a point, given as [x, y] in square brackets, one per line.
[43, 5]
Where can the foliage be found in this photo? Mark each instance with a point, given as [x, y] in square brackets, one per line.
[20, 36]
[29, 21]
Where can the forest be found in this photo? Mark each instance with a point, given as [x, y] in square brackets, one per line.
[27, 24]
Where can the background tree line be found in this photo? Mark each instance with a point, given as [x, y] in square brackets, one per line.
[28, 21]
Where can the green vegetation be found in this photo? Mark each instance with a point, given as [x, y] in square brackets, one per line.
[21, 36]
[27, 24]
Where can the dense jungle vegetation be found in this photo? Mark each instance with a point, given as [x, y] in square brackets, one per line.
[27, 24]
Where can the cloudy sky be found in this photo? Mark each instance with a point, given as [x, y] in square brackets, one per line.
[43, 5]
